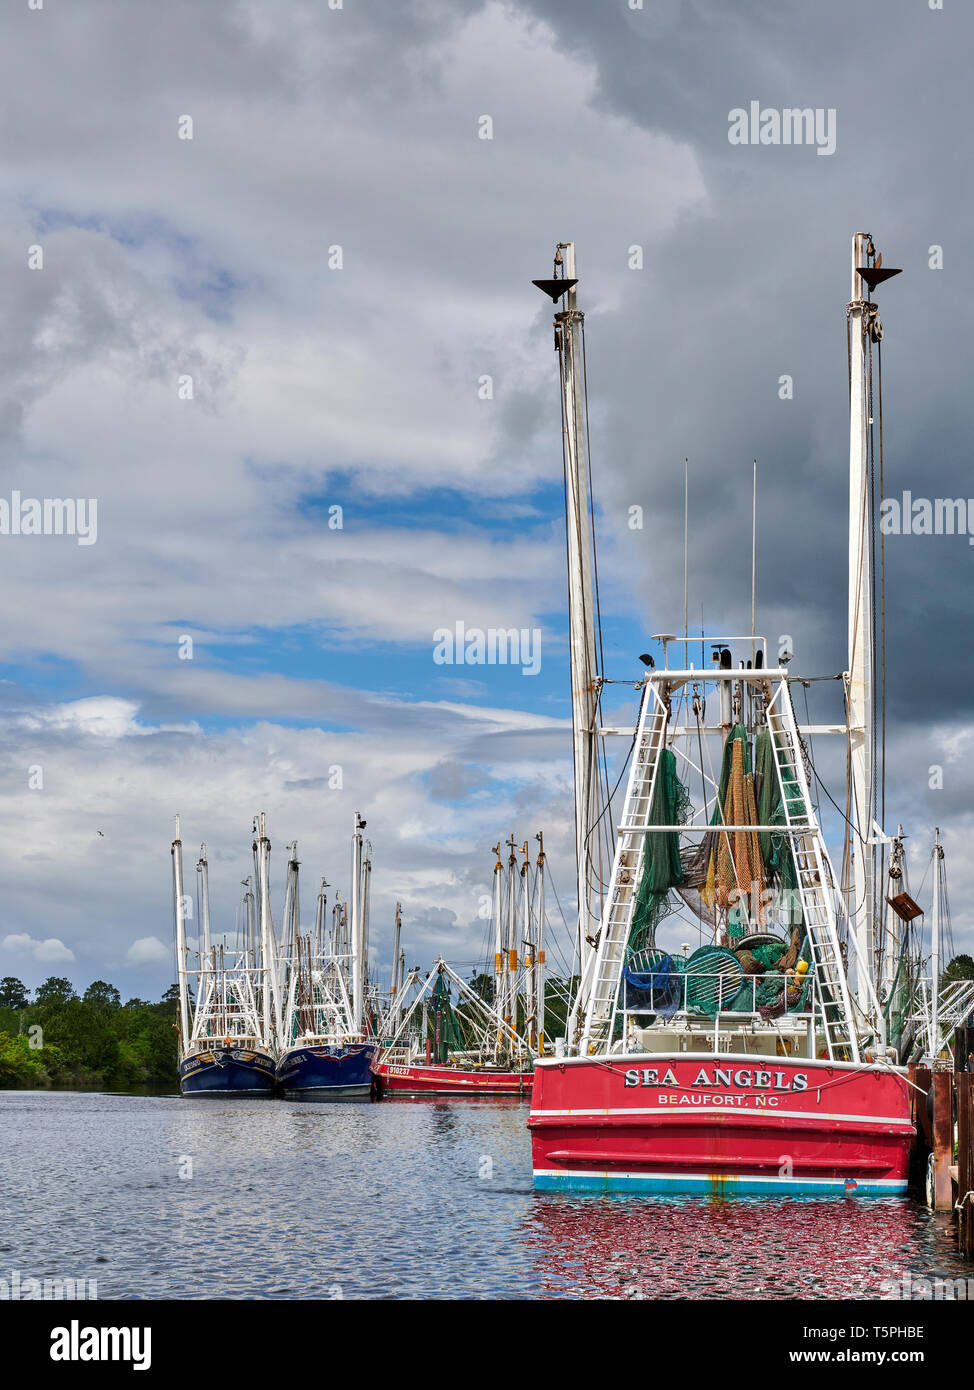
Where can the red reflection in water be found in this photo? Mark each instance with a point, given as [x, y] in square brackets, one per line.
[693, 1247]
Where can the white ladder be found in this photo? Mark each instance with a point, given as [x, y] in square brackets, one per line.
[600, 989]
[815, 883]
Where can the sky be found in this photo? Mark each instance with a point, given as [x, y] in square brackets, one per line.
[283, 271]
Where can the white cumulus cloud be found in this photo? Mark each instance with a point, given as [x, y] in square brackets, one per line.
[47, 952]
[146, 951]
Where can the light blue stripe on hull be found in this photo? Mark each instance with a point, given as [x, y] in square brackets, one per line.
[705, 1184]
[327, 1092]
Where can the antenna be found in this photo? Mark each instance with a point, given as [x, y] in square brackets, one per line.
[754, 548]
[686, 542]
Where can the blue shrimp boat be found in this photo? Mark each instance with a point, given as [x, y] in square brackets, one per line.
[327, 1047]
[224, 1029]
[223, 1070]
[327, 1072]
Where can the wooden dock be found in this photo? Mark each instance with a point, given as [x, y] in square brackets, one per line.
[943, 1110]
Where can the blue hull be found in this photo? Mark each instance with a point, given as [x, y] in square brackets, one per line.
[327, 1073]
[705, 1185]
[227, 1072]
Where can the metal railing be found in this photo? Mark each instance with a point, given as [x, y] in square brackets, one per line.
[715, 992]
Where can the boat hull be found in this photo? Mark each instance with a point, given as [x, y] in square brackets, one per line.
[422, 1080]
[327, 1073]
[225, 1071]
[714, 1123]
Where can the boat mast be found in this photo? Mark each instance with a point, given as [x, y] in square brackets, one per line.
[179, 903]
[585, 677]
[395, 960]
[262, 850]
[938, 855]
[320, 911]
[528, 946]
[249, 926]
[203, 876]
[498, 945]
[291, 912]
[539, 956]
[864, 329]
[862, 904]
[510, 961]
[358, 928]
[300, 991]
[366, 917]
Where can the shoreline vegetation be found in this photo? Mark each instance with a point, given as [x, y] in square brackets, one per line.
[60, 1041]
[94, 1042]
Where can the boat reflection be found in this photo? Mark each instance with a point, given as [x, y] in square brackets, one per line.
[751, 1248]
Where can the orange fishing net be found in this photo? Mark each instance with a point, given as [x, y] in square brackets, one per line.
[739, 863]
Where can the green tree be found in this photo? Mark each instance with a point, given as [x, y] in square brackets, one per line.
[14, 994]
[55, 990]
[23, 1066]
[101, 995]
[95, 1041]
[960, 968]
[483, 985]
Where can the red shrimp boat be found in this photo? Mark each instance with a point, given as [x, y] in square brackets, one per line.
[720, 1123]
[435, 1062]
[761, 1061]
[422, 1080]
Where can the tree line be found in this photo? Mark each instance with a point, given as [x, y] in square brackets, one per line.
[92, 1041]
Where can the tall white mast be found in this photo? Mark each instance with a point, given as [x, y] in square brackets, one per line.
[395, 960]
[320, 911]
[251, 925]
[581, 604]
[366, 919]
[539, 942]
[291, 926]
[864, 328]
[179, 904]
[499, 956]
[358, 925]
[267, 947]
[938, 854]
[203, 876]
[528, 946]
[860, 698]
[510, 965]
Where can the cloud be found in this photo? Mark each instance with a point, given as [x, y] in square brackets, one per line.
[147, 951]
[432, 855]
[48, 952]
[359, 386]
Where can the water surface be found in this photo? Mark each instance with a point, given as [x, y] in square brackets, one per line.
[163, 1197]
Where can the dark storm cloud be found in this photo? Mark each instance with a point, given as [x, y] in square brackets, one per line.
[689, 363]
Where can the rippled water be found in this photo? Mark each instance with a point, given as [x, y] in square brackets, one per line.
[397, 1200]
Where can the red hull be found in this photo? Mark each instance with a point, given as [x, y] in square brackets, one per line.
[706, 1122]
[451, 1081]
